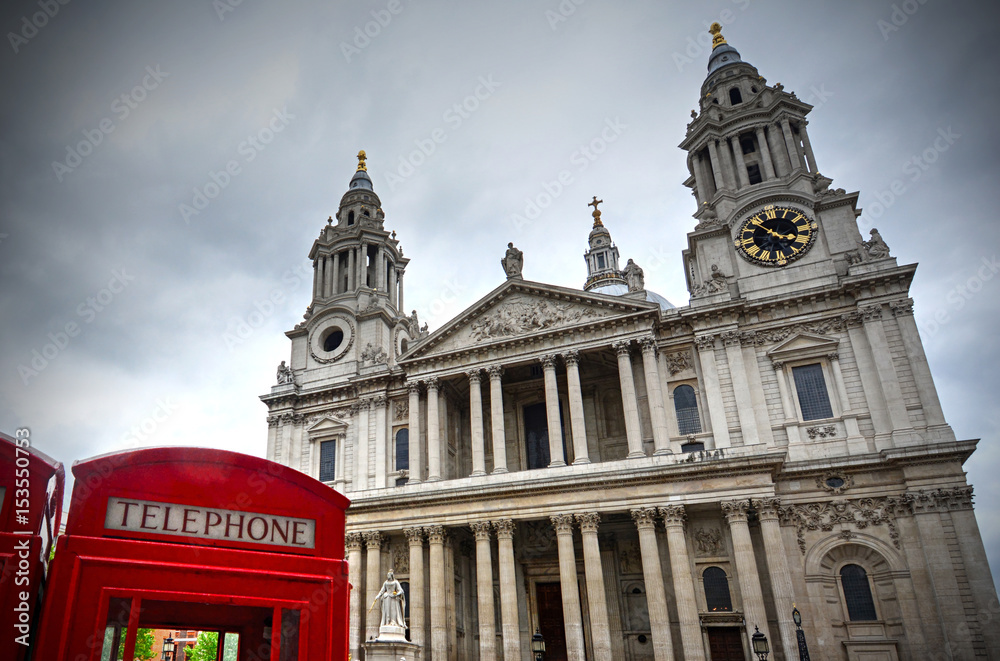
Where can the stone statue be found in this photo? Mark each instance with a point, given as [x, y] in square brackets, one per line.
[284, 374]
[876, 247]
[512, 262]
[634, 276]
[414, 322]
[392, 602]
[715, 284]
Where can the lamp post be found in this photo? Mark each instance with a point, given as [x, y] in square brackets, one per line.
[758, 642]
[168, 649]
[800, 635]
[538, 646]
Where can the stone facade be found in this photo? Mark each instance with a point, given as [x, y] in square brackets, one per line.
[638, 481]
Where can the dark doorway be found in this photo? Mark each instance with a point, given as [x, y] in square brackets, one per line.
[550, 619]
[536, 435]
[725, 644]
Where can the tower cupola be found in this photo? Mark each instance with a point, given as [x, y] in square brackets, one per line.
[602, 257]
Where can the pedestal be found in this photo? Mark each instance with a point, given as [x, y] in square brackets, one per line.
[391, 650]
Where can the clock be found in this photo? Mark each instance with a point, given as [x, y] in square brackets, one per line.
[775, 236]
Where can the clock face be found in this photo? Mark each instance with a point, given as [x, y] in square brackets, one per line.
[775, 236]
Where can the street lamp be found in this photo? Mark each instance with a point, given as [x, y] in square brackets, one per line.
[796, 617]
[168, 649]
[538, 646]
[759, 644]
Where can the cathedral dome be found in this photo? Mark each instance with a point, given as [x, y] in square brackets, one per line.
[361, 180]
[621, 290]
[722, 53]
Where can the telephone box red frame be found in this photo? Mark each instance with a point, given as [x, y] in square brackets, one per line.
[108, 581]
[32, 485]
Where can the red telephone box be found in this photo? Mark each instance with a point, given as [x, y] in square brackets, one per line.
[191, 538]
[31, 487]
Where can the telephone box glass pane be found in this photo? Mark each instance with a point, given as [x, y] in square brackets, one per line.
[231, 647]
[289, 635]
[116, 628]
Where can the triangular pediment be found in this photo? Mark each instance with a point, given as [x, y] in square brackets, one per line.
[326, 425]
[805, 345]
[519, 309]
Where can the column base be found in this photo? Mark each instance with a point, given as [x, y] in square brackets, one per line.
[497, 471]
[477, 473]
[433, 478]
[636, 455]
[580, 462]
[662, 451]
[556, 464]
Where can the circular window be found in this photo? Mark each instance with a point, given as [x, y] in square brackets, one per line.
[642, 638]
[835, 482]
[333, 339]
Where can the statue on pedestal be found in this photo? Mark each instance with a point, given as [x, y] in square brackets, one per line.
[392, 602]
[512, 262]
[634, 276]
[284, 374]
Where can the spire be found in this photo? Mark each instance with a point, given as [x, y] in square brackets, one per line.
[361, 178]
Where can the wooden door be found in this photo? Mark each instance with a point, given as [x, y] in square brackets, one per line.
[550, 620]
[726, 644]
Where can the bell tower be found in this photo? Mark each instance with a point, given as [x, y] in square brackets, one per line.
[766, 217]
[354, 324]
[602, 257]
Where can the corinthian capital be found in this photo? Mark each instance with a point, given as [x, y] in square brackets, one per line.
[767, 508]
[504, 528]
[415, 536]
[353, 541]
[673, 515]
[563, 523]
[373, 539]
[481, 529]
[589, 521]
[436, 534]
[735, 510]
[644, 517]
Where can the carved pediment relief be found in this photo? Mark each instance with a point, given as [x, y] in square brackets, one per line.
[519, 309]
[327, 426]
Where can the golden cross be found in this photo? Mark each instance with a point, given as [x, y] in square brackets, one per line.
[361, 161]
[595, 203]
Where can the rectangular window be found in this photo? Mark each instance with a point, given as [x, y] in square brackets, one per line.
[814, 400]
[753, 174]
[600, 261]
[746, 144]
[327, 461]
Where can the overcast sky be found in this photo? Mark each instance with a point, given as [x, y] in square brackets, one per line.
[117, 117]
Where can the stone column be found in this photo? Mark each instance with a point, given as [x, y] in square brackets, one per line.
[510, 626]
[741, 166]
[791, 421]
[728, 170]
[476, 415]
[392, 285]
[352, 276]
[328, 276]
[765, 154]
[810, 157]
[484, 590]
[778, 153]
[552, 417]
[433, 432]
[354, 541]
[373, 569]
[741, 387]
[316, 280]
[887, 375]
[416, 454]
[572, 615]
[439, 614]
[361, 456]
[597, 600]
[609, 566]
[630, 404]
[856, 443]
[779, 573]
[362, 265]
[581, 454]
[496, 419]
[699, 184]
[661, 435]
[793, 152]
[381, 442]
[746, 566]
[712, 390]
[400, 306]
[977, 567]
[903, 312]
[415, 538]
[684, 583]
[713, 153]
[656, 594]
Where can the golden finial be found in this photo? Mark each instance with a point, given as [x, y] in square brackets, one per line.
[597, 212]
[362, 167]
[717, 39]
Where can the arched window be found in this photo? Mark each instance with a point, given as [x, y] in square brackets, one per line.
[350, 217]
[403, 449]
[857, 593]
[717, 590]
[735, 97]
[686, 406]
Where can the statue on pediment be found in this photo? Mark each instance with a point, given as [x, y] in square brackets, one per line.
[634, 276]
[512, 262]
